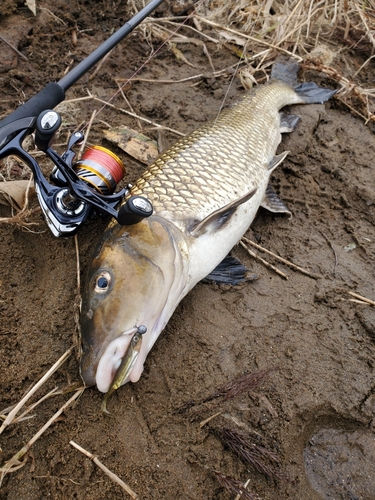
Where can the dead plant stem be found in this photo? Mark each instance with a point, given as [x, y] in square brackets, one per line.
[14, 463]
[32, 391]
[109, 473]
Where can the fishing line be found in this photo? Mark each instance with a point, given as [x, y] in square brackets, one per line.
[231, 81]
[143, 65]
[242, 58]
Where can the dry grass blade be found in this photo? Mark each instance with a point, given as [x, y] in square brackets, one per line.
[14, 463]
[32, 391]
[109, 473]
[235, 487]
[262, 459]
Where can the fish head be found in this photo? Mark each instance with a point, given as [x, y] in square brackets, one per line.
[136, 278]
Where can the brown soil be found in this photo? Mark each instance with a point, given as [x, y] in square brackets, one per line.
[320, 343]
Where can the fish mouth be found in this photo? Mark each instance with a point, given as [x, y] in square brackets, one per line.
[111, 360]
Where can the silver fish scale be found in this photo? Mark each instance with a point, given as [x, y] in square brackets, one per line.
[220, 161]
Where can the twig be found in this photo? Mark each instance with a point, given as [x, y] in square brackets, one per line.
[88, 128]
[128, 103]
[77, 303]
[84, 98]
[110, 474]
[54, 392]
[238, 497]
[32, 391]
[169, 21]
[284, 261]
[58, 19]
[204, 422]
[360, 297]
[150, 80]
[13, 48]
[77, 263]
[363, 65]
[14, 463]
[367, 29]
[356, 301]
[138, 117]
[264, 262]
[235, 487]
[334, 253]
[99, 65]
[230, 390]
[25, 211]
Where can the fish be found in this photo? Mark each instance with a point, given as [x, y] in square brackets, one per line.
[205, 190]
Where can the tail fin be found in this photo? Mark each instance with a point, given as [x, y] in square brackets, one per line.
[286, 70]
[311, 93]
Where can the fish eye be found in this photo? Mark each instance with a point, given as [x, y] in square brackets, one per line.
[102, 282]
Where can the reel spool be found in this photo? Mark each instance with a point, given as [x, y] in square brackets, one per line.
[100, 169]
[75, 196]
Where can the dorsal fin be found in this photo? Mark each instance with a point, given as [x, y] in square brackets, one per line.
[220, 216]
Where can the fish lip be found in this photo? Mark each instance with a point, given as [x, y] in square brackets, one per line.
[111, 359]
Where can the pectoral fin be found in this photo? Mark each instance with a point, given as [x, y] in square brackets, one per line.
[230, 271]
[218, 218]
[272, 202]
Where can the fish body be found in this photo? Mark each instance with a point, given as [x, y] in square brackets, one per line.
[205, 190]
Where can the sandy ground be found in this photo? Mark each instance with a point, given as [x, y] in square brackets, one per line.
[316, 410]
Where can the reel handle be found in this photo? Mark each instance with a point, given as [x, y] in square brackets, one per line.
[134, 210]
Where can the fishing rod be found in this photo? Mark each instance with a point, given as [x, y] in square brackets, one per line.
[75, 190]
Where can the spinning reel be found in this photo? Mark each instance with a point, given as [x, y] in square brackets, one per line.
[77, 190]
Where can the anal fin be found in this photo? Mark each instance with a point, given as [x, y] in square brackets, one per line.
[230, 271]
[288, 123]
[272, 202]
[276, 160]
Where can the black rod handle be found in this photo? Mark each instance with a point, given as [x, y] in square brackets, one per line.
[24, 116]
